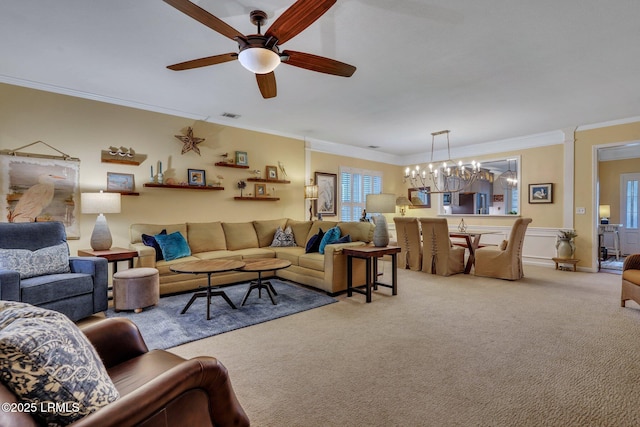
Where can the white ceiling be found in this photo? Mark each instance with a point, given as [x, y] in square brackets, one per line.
[487, 70]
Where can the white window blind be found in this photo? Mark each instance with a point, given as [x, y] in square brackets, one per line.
[355, 184]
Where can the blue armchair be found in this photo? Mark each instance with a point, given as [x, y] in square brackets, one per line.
[35, 267]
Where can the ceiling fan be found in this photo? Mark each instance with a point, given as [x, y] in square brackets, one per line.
[260, 53]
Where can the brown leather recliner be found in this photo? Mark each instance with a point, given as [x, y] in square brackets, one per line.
[157, 388]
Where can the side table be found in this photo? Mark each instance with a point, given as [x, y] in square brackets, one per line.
[112, 255]
[571, 261]
[371, 254]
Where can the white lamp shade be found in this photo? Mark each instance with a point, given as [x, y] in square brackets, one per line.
[100, 203]
[311, 192]
[605, 211]
[381, 203]
[259, 60]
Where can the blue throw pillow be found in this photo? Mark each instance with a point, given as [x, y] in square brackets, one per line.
[173, 246]
[331, 236]
[313, 245]
[344, 239]
[151, 241]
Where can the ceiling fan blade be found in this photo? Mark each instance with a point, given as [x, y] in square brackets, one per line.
[318, 63]
[203, 62]
[267, 84]
[201, 15]
[298, 17]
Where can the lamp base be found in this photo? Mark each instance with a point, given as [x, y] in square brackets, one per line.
[380, 232]
[101, 236]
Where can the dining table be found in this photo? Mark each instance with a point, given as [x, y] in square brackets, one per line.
[471, 242]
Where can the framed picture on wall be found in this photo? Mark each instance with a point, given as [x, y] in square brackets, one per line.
[327, 193]
[541, 193]
[241, 158]
[272, 172]
[120, 182]
[261, 190]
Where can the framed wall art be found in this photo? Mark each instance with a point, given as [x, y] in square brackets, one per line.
[327, 193]
[272, 172]
[40, 189]
[241, 158]
[541, 193]
[197, 177]
[261, 190]
[418, 198]
[120, 182]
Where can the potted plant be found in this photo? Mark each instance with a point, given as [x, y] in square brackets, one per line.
[565, 245]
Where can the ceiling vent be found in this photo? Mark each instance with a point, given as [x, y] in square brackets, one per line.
[230, 115]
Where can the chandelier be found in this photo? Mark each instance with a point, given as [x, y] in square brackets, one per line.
[509, 179]
[449, 177]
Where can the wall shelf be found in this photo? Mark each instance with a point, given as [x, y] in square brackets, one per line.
[122, 160]
[124, 193]
[231, 165]
[258, 199]
[272, 181]
[183, 187]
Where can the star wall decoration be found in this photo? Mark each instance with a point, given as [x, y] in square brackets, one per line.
[190, 142]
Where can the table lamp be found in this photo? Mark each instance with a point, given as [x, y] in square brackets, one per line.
[605, 213]
[100, 203]
[379, 204]
[403, 202]
[311, 193]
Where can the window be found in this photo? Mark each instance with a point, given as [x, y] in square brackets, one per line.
[632, 204]
[355, 184]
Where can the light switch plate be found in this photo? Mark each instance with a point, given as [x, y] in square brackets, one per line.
[581, 211]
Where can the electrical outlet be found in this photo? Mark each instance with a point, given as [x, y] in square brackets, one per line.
[581, 211]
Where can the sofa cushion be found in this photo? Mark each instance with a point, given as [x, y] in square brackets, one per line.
[173, 246]
[331, 236]
[313, 245]
[49, 260]
[49, 363]
[152, 242]
[265, 230]
[40, 290]
[240, 235]
[289, 253]
[283, 238]
[313, 261]
[358, 230]
[206, 236]
[300, 230]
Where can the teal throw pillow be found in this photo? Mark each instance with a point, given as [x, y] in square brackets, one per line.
[331, 236]
[173, 246]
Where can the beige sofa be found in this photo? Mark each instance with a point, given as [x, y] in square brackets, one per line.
[247, 240]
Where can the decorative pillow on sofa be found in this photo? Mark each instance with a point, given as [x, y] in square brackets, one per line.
[173, 245]
[284, 238]
[344, 239]
[47, 361]
[313, 245]
[50, 260]
[151, 241]
[331, 236]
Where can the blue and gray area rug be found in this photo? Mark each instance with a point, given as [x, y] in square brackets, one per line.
[164, 327]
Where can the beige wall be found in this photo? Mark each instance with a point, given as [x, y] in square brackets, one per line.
[609, 183]
[82, 128]
[586, 225]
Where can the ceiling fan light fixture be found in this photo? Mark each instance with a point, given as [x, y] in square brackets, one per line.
[259, 60]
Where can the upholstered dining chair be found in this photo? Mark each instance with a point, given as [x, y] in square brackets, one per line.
[504, 261]
[439, 255]
[408, 232]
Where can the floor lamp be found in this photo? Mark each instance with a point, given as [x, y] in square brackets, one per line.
[310, 194]
[100, 203]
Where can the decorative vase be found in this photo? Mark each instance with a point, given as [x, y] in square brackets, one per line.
[462, 227]
[380, 232]
[565, 248]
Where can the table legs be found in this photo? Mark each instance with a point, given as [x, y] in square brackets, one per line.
[259, 285]
[208, 294]
[371, 276]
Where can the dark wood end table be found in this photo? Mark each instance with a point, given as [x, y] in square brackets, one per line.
[207, 267]
[112, 255]
[371, 254]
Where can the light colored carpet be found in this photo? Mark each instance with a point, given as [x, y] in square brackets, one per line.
[553, 349]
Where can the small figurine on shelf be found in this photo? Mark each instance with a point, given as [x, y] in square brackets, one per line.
[364, 218]
[242, 185]
[160, 177]
[153, 178]
[462, 227]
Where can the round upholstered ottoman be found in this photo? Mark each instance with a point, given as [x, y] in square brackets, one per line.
[135, 289]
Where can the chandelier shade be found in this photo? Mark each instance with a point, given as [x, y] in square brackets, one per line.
[509, 179]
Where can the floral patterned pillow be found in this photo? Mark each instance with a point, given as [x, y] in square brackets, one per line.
[50, 364]
[284, 238]
[50, 260]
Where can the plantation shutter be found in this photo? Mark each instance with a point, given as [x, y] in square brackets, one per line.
[355, 184]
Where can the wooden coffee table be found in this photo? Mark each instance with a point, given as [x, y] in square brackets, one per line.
[260, 265]
[207, 267]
